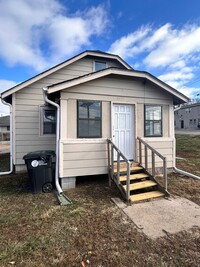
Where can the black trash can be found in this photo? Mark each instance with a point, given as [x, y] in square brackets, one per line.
[40, 166]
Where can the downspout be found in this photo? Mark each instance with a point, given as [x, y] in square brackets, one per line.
[186, 173]
[59, 189]
[11, 140]
[181, 171]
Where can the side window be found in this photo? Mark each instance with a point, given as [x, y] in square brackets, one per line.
[89, 119]
[47, 121]
[99, 65]
[153, 120]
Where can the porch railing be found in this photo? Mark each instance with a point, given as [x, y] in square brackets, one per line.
[112, 148]
[154, 152]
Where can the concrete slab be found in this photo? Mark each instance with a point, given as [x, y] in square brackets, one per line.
[158, 217]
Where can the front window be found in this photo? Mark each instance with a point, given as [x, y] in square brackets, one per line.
[153, 120]
[89, 119]
[48, 121]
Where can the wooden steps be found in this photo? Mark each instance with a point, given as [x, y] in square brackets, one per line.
[132, 169]
[142, 185]
[134, 177]
[145, 196]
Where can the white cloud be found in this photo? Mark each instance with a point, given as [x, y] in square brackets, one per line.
[176, 45]
[179, 77]
[68, 34]
[172, 52]
[4, 85]
[191, 92]
[128, 46]
[29, 26]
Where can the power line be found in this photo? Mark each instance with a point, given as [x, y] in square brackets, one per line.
[193, 82]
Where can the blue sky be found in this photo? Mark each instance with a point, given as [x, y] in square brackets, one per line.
[161, 37]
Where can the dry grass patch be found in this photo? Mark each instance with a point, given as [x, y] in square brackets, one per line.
[36, 232]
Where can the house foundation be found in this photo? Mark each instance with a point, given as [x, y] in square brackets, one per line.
[68, 183]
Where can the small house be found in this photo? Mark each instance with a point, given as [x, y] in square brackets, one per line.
[85, 101]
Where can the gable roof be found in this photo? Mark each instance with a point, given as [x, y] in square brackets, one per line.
[94, 53]
[178, 97]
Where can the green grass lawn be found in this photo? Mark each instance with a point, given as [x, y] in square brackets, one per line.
[188, 148]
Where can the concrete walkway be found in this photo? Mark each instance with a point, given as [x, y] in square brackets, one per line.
[158, 217]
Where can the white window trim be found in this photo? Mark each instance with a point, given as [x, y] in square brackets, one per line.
[41, 128]
[161, 120]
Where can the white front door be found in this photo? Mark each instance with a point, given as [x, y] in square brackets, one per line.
[123, 129]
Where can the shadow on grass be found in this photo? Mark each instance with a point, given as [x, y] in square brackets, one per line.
[5, 162]
[14, 184]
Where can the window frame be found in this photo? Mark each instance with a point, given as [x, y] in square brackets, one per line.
[89, 119]
[99, 61]
[161, 121]
[42, 109]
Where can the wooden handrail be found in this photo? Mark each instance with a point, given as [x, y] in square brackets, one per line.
[154, 152]
[151, 148]
[111, 166]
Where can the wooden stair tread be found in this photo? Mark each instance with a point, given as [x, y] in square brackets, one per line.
[140, 185]
[145, 196]
[135, 163]
[133, 168]
[135, 176]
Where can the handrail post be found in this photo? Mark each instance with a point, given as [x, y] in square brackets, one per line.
[112, 161]
[165, 172]
[128, 182]
[153, 163]
[146, 158]
[118, 167]
[108, 147]
[140, 152]
[154, 153]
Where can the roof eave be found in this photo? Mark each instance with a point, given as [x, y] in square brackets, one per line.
[58, 67]
[177, 96]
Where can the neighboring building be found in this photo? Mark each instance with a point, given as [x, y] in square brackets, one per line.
[4, 128]
[188, 117]
[100, 96]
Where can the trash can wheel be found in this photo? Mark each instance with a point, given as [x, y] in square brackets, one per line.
[47, 188]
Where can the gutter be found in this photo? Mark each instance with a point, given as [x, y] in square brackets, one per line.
[58, 187]
[11, 139]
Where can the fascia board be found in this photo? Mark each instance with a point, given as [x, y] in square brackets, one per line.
[136, 74]
[58, 67]
[41, 76]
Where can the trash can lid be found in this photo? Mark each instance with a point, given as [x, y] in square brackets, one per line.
[40, 153]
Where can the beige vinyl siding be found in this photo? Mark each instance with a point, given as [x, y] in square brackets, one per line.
[83, 157]
[27, 110]
[111, 91]
[120, 87]
[165, 146]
